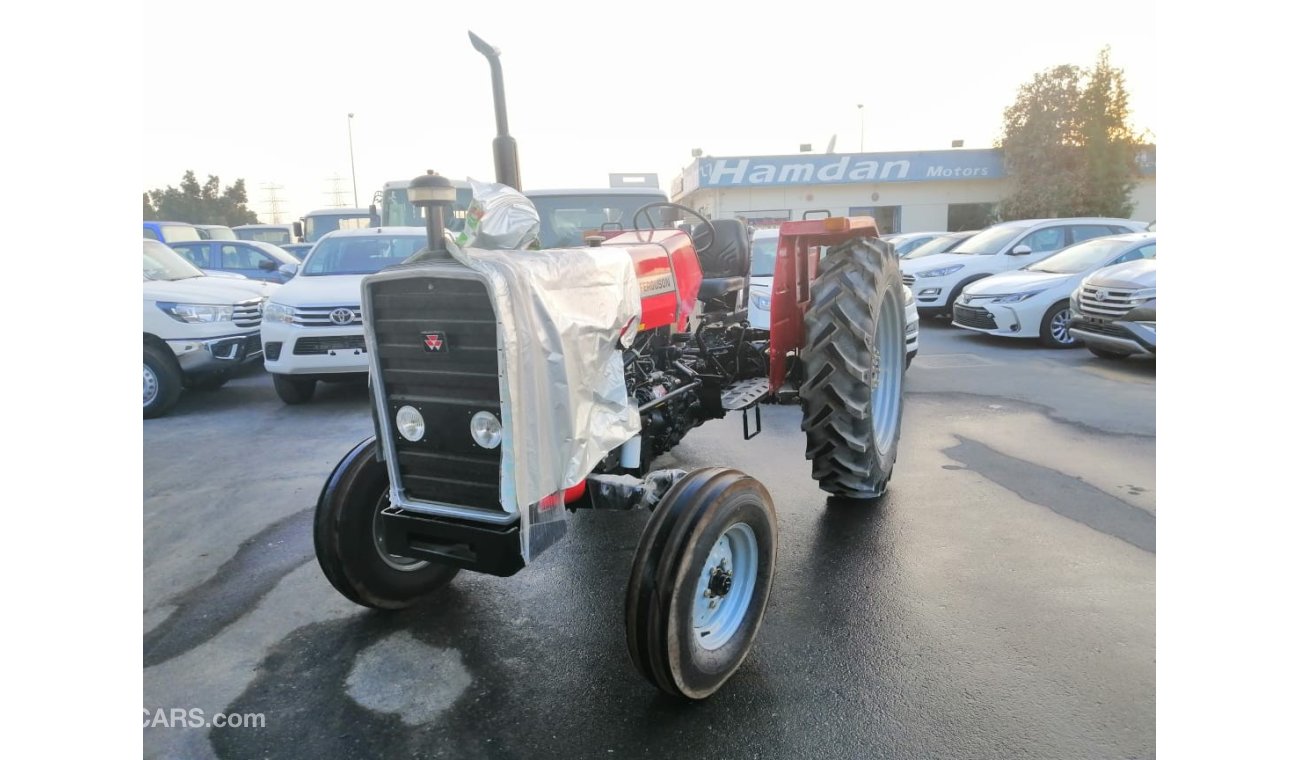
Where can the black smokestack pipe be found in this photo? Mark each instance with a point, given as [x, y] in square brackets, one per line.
[504, 151]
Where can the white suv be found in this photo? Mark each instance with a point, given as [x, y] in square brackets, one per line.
[311, 329]
[937, 280]
[197, 329]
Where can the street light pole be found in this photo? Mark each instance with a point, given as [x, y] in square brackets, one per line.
[353, 159]
[861, 128]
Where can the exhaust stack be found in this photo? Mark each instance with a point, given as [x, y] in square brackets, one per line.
[504, 151]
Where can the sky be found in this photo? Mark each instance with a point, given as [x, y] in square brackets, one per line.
[592, 88]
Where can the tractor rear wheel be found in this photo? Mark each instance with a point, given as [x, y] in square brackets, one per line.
[853, 359]
[700, 581]
[350, 543]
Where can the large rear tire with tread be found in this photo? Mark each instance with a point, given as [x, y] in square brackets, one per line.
[854, 356]
[700, 581]
[349, 546]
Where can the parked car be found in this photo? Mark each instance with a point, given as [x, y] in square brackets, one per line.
[246, 258]
[297, 250]
[762, 264]
[197, 329]
[940, 278]
[942, 244]
[1034, 302]
[905, 242]
[171, 232]
[1114, 310]
[215, 232]
[312, 329]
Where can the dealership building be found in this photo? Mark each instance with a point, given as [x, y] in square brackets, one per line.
[905, 191]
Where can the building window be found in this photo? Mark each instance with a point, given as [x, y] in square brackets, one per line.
[888, 218]
[970, 216]
[764, 218]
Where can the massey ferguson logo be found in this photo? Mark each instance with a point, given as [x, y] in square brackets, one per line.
[435, 342]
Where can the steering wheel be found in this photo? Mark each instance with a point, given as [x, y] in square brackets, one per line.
[636, 219]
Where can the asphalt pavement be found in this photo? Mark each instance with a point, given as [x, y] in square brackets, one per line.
[998, 602]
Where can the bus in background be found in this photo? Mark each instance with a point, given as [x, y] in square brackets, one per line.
[275, 234]
[396, 209]
[323, 221]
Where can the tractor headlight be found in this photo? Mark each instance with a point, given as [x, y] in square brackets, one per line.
[410, 423]
[485, 429]
[762, 303]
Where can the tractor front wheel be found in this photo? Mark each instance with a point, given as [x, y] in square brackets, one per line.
[350, 544]
[700, 581]
[853, 358]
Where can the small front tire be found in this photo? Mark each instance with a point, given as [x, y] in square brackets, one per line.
[294, 390]
[700, 581]
[349, 542]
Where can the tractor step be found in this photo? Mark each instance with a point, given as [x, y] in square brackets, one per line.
[745, 393]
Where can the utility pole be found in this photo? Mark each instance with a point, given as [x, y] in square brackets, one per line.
[336, 191]
[353, 160]
[273, 201]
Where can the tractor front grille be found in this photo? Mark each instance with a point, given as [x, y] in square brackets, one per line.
[436, 345]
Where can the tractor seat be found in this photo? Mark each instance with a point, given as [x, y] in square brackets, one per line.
[716, 287]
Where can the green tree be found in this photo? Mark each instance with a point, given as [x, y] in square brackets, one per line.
[200, 204]
[1067, 145]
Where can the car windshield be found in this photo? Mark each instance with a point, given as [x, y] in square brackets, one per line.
[360, 255]
[398, 211]
[1082, 257]
[990, 241]
[162, 263]
[565, 218]
[938, 245]
[220, 233]
[763, 257]
[177, 233]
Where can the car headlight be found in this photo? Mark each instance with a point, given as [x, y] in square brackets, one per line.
[1144, 293]
[940, 272]
[762, 303]
[197, 312]
[1016, 297]
[911, 297]
[277, 312]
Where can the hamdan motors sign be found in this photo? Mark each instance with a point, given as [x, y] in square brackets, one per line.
[831, 169]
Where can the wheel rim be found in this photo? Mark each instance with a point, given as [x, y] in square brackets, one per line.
[887, 374]
[150, 385]
[1060, 327]
[725, 587]
[401, 564]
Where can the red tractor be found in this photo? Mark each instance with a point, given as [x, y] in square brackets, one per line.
[438, 488]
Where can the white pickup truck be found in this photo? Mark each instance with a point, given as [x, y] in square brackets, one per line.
[197, 329]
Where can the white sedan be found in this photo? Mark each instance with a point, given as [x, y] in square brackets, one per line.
[1034, 302]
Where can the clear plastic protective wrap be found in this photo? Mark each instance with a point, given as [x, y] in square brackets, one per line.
[564, 318]
[499, 218]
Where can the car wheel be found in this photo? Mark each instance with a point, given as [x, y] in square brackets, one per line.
[294, 390]
[1054, 330]
[1107, 355]
[162, 382]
